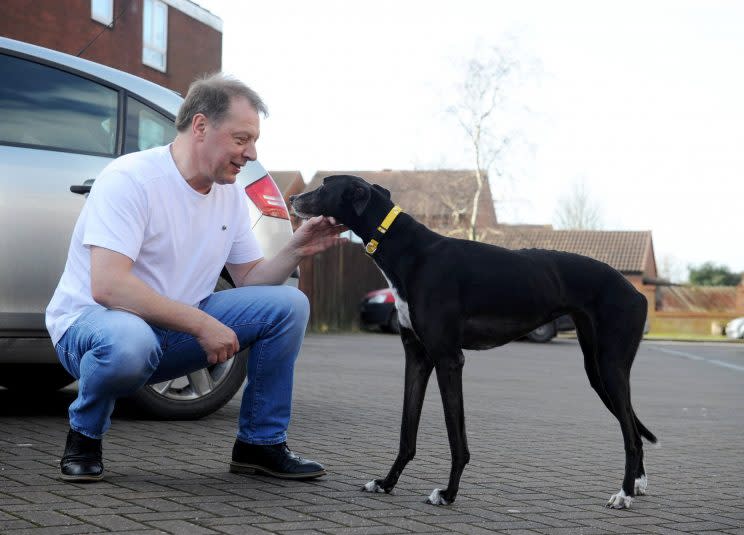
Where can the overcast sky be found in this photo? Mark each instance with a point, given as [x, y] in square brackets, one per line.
[641, 101]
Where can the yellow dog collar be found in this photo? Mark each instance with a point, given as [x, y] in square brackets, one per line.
[371, 247]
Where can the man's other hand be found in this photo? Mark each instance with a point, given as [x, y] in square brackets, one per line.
[218, 341]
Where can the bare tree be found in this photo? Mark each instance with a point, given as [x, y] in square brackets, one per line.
[577, 211]
[672, 269]
[483, 94]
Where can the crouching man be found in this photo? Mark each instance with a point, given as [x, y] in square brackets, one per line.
[135, 304]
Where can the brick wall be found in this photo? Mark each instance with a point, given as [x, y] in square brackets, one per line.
[194, 48]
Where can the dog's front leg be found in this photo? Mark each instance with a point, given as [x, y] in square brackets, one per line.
[418, 371]
[449, 376]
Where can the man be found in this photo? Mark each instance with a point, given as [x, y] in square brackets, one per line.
[135, 303]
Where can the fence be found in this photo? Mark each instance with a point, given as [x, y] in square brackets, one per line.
[335, 282]
[690, 322]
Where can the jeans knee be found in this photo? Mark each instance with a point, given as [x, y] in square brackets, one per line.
[294, 304]
[132, 350]
[300, 305]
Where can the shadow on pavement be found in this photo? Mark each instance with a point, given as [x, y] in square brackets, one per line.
[31, 403]
[54, 403]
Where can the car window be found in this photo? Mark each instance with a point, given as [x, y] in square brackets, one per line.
[146, 128]
[42, 106]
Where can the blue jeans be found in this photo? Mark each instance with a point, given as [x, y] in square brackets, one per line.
[113, 353]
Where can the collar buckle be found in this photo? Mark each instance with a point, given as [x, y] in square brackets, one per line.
[371, 247]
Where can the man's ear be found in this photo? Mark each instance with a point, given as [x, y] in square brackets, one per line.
[382, 190]
[198, 125]
[360, 198]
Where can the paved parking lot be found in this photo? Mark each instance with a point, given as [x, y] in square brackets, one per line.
[546, 454]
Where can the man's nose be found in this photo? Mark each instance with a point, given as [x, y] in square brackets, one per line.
[250, 152]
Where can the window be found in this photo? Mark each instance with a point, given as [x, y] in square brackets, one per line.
[102, 11]
[155, 34]
[45, 107]
[146, 128]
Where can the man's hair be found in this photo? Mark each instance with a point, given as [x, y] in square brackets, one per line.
[211, 96]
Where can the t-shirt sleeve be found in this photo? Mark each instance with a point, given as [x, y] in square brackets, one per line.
[245, 248]
[117, 214]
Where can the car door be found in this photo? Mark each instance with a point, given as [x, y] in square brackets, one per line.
[58, 130]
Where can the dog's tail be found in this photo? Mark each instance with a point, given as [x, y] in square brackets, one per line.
[643, 430]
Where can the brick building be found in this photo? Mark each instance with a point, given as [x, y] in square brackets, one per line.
[440, 198]
[169, 42]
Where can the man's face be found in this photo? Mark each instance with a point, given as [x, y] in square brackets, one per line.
[229, 145]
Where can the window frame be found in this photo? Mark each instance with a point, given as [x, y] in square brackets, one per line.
[83, 76]
[121, 116]
[128, 98]
[149, 44]
[102, 11]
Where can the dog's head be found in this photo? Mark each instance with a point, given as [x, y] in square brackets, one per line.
[347, 198]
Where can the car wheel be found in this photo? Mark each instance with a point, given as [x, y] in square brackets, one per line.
[197, 394]
[544, 333]
[34, 377]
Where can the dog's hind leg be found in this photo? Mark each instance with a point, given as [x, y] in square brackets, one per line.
[585, 330]
[449, 377]
[619, 394]
[618, 338]
[587, 335]
[418, 371]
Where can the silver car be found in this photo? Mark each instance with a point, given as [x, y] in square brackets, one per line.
[63, 119]
[735, 329]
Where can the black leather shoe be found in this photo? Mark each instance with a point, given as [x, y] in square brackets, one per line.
[276, 460]
[82, 460]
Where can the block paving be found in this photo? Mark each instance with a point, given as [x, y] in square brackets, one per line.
[545, 453]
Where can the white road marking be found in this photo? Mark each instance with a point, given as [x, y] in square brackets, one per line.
[692, 356]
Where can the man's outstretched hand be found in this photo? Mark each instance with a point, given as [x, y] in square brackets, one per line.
[316, 235]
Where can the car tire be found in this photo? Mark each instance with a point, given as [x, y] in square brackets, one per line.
[542, 334]
[192, 396]
[34, 377]
[197, 394]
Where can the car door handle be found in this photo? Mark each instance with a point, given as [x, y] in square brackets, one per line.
[84, 188]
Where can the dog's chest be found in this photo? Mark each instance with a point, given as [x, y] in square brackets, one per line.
[404, 316]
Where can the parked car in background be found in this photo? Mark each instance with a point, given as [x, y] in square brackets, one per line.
[377, 310]
[735, 329]
[63, 120]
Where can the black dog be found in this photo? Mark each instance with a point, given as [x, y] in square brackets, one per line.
[456, 294]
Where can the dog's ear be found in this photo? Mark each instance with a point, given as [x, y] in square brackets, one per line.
[382, 190]
[360, 198]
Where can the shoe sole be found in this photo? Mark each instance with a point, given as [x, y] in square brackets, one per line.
[81, 479]
[243, 468]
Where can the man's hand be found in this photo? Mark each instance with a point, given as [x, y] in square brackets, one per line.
[218, 341]
[316, 235]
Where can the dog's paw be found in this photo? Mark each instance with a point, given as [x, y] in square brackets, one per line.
[641, 485]
[437, 498]
[373, 486]
[620, 501]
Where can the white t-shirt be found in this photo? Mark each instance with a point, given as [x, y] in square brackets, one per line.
[178, 238]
